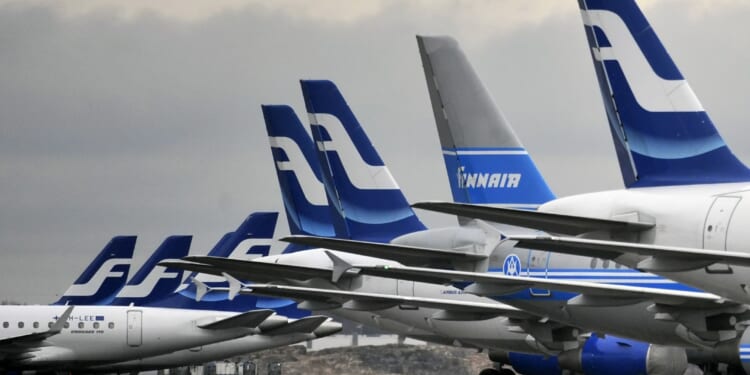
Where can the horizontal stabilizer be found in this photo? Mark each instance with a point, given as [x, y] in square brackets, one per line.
[304, 325]
[493, 285]
[409, 255]
[659, 258]
[334, 296]
[548, 222]
[250, 319]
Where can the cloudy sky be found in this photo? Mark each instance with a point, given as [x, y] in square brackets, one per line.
[143, 117]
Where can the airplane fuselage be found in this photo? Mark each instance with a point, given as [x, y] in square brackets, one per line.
[105, 334]
[713, 217]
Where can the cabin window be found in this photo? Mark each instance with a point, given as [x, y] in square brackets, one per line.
[67, 325]
[111, 325]
[49, 325]
[5, 325]
[80, 325]
[20, 324]
[36, 324]
[96, 325]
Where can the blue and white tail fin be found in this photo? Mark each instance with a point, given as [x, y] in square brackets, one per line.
[485, 161]
[300, 179]
[104, 277]
[152, 283]
[251, 239]
[662, 134]
[368, 198]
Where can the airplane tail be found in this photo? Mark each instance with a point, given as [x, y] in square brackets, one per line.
[152, 283]
[244, 241]
[366, 196]
[662, 134]
[104, 277]
[253, 237]
[485, 161]
[300, 179]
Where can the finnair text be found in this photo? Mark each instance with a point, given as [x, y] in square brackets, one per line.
[487, 180]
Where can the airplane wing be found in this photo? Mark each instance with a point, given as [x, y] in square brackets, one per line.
[248, 269]
[334, 298]
[409, 255]
[250, 319]
[547, 222]
[657, 258]
[19, 347]
[594, 294]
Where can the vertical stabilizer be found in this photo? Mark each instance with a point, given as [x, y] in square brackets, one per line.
[152, 283]
[298, 171]
[485, 161]
[104, 277]
[662, 134]
[251, 239]
[367, 197]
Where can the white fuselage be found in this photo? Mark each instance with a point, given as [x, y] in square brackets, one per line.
[706, 216]
[106, 334]
[714, 217]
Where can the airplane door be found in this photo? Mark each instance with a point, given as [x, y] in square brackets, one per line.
[135, 329]
[715, 228]
[538, 266]
[405, 288]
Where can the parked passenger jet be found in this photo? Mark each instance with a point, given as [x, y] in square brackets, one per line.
[669, 168]
[158, 287]
[339, 298]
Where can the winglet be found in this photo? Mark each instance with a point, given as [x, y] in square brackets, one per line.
[200, 289]
[234, 285]
[340, 266]
[60, 323]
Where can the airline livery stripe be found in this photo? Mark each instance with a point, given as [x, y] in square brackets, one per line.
[594, 274]
[485, 152]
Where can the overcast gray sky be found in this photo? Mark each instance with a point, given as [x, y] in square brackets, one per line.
[143, 117]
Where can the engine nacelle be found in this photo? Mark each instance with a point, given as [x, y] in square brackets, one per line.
[614, 355]
[463, 239]
[735, 352]
[457, 238]
[534, 364]
[600, 356]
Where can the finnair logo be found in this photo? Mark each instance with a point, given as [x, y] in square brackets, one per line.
[312, 188]
[146, 287]
[104, 272]
[362, 175]
[487, 180]
[240, 252]
[653, 93]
